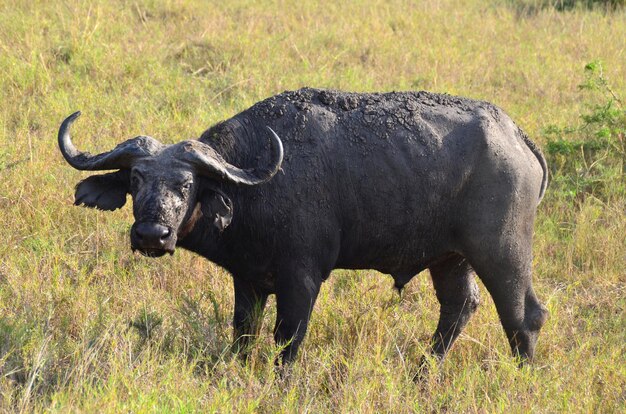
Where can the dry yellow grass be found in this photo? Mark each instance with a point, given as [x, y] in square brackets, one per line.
[70, 289]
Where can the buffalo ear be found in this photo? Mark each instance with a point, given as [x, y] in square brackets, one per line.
[104, 191]
[216, 206]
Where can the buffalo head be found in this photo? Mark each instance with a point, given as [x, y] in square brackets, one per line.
[164, 183]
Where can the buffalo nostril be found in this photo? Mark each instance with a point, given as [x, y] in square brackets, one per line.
[165, 233]
[139, 234]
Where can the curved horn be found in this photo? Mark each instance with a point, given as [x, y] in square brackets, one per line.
[211, 163]
[122, 156]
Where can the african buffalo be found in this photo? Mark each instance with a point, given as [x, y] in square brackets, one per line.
[397, 182]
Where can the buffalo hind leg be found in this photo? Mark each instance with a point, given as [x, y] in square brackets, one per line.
[507, 277]
[249, 306]
[458, 295]
[295, 297]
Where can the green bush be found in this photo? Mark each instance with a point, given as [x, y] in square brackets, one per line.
[589, 159]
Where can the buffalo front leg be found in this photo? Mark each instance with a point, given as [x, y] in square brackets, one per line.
[458, 295]
[249, 306]
[295, 297]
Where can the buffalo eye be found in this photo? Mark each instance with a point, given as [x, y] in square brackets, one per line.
[184, 187]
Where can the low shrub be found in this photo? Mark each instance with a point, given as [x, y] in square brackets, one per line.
[589, 159]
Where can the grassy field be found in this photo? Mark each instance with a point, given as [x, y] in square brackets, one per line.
[86, 326]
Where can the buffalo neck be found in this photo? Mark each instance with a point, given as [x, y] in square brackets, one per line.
[238, 140]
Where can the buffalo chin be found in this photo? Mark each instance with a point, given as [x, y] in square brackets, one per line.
[152, 252]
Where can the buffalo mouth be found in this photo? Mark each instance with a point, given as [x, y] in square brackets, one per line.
[152, 252]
